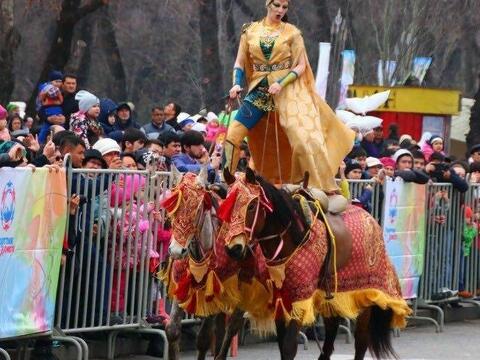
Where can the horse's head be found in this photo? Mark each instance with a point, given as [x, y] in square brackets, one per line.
[243, 212]
[189, 210]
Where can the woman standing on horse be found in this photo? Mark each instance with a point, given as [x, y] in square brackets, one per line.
[290, 128]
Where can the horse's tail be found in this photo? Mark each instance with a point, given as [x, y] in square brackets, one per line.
[380, 344]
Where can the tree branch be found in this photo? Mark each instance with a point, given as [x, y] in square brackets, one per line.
[89, 8]
[245, 8]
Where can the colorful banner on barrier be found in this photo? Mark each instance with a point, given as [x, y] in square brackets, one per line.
[404, 232]
[33, 209]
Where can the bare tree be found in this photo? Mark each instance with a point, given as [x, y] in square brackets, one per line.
[9, 42]
[212, 71]
[473, 136]
[407, 29]
[71, 12]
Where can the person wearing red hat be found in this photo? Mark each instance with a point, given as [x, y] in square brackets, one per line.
[388, 166]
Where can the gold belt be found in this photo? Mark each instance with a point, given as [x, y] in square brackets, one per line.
[272, 67]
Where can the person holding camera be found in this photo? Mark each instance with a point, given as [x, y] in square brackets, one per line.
[440, 172]
[194, 155]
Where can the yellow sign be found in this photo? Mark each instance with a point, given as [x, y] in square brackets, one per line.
[413, 99]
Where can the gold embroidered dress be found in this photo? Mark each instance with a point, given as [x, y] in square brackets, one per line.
[308, 136]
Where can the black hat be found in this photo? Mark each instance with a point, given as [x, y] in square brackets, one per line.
[94, 154]
[352, 166]
[475, 166]
[475, 148]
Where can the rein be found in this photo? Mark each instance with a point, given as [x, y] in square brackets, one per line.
[274, 236]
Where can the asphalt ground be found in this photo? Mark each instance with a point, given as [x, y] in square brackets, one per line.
[458, 341]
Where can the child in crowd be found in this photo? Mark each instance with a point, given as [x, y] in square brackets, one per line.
[132, 236]
[434, 144]
[4, 133]
[213, 127]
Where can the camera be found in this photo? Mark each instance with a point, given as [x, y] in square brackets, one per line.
[440, 168]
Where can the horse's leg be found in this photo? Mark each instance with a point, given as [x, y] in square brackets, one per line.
[331, 329]
[362, 334]
[281, 329]
[234, 325]
[220, 324]
[290, 340]
[204, 337]
[174, 330]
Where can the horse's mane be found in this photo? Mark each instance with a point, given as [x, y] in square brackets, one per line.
[285, 210]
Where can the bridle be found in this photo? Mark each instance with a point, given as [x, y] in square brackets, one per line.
[186, 193]
[244, 195]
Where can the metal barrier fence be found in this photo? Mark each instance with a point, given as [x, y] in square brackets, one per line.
[108, 281]
[369, 193]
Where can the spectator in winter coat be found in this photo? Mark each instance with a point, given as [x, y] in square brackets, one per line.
[171, 111]
[84, 123]
[194, 155]
[434, 144]
[404, 168]
[373, 167]
[440, 172]
[157, 126]
[418, 160]
[107, 117]
[133, 140]
[124, 121]
[69, 90]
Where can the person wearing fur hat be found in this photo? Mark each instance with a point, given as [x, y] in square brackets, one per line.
[84, 123]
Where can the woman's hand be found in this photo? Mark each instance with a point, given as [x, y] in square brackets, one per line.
[235, 91]
[275, 88]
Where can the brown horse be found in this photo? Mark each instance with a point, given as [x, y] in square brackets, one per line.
[264, 216]
[192, 240]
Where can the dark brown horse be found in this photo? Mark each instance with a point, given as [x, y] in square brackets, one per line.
[193, 238]
[273, 220]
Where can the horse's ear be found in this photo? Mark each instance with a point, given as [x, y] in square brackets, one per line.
[176, 175]
[202, 177]
[250, 176]
[228, 177]
[306, 178]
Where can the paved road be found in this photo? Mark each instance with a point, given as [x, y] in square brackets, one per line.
[459, 341]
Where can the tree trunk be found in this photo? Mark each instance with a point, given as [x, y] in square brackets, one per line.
[112, 51]
[473, 136]
[324, 23]
[9, 42]
[60, 49]
[211, 67]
